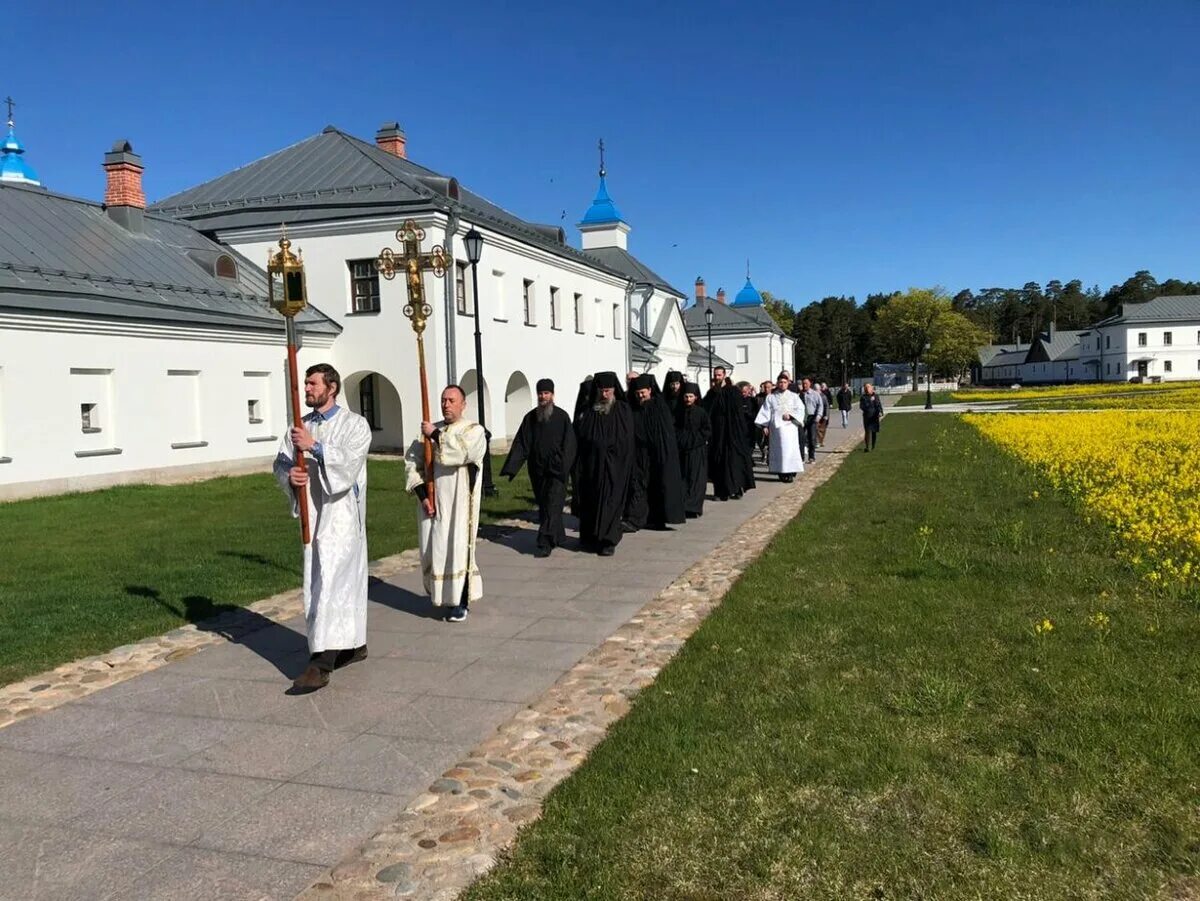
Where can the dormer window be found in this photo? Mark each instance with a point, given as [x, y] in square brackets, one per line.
[226, 267]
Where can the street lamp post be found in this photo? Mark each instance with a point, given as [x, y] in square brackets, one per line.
[928, 380]
[474, 244]
[708, 318]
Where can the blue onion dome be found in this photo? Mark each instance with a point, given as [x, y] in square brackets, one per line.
[748, 296]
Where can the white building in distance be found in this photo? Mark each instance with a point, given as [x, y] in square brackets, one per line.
[744, 334]
[1158, 340]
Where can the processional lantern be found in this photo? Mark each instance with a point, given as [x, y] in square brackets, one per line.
[289, 296]
[413, 262]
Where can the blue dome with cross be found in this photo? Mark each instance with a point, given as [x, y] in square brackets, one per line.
[13, 167]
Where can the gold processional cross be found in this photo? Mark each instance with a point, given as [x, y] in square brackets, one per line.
[414, 263]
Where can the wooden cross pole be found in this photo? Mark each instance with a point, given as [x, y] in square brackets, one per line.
[415, 263]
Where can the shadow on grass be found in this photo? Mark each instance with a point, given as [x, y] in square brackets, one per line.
[275, 643]
[259, 559]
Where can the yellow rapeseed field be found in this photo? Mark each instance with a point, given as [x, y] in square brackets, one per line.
[1045, 392]
[1175, 399]
[1135, 471]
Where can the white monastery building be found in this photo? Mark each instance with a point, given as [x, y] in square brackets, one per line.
[137, 343]
[1158, 340]
[132, 347]
[745, 336]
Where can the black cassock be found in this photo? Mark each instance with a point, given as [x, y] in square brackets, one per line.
[749, 407]
[549, 449]
[729, 463]
[603, 460]
[655, 487]
[692, 431]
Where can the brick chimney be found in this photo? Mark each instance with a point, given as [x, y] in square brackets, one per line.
[123, 196]
[390, 138]
[700, 291]
[720, 295]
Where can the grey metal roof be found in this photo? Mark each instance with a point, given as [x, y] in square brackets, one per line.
[642, 348]
[62, 254]
[727, 319]
[1158, 309]
[335, 176]
[988, 351]
[1059, 347]
[623, 261]
[1009, 358]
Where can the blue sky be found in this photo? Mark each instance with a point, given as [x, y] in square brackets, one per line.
[844, 148]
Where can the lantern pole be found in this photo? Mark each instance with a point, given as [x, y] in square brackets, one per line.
[285, 272]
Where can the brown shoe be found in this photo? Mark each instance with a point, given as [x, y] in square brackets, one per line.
[345, 658]
[311, 679]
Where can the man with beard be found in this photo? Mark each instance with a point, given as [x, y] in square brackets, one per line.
[334, 486]
[655, 488]
[547, 440]
[781, 416]
[604, 457]
[729, 464]
[692, 431]
[673, 390]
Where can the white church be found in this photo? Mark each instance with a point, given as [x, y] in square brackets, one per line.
[136, 342]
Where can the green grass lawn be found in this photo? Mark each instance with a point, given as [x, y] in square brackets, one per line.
[872, 714]
[917, 398]
[84, 573]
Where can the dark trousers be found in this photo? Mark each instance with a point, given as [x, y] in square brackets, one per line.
[331, 659]
[871, 436]
[551, 497]
[808, 441]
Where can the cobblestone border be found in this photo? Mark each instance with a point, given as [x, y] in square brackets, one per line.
[452, 833]
[79, 678]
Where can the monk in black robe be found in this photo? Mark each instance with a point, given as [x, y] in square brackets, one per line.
[749, 408]
[603, 460]
[692, 431]
[673, 390]
[546, 440]
[729, 464]
[656, 486]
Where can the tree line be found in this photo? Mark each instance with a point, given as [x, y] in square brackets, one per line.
[837, 337]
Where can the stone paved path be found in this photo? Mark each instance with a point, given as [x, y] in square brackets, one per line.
[202, 779]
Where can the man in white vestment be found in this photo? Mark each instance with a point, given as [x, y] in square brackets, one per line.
[781, 416]
[448, 523]
[335, 442]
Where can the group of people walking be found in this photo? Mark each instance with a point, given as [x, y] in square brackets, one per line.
[631, 457]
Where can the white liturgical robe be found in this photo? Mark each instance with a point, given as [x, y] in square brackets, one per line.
[335, 562]
[784, 433]
[447, 539]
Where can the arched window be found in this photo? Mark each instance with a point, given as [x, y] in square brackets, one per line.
[226, 267]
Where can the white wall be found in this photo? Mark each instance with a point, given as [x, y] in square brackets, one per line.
[1117, 360]
[169, 400]
[384, 342]
[765, 357]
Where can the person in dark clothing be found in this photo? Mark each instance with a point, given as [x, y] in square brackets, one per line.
[603, 461]
[872, 412]
[761, 439]
[546, 440]
[752, 432]
[655, 487]
[729, 460]
[845, 400]
[673, 390]
[692, 431]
